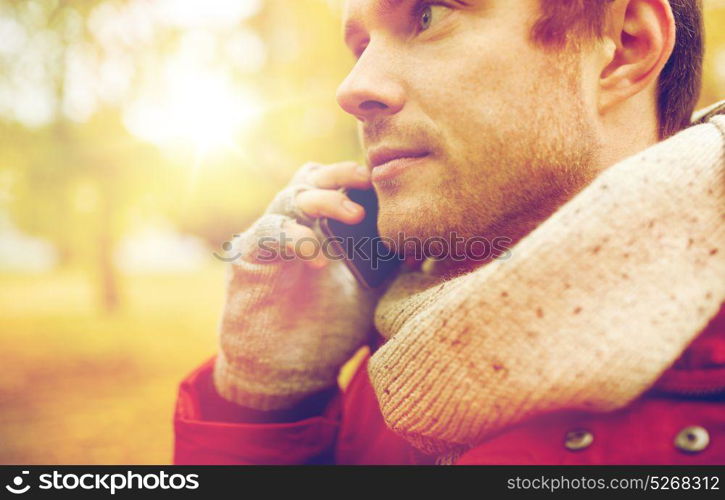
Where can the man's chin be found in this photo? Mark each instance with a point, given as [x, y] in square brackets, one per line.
[407, 237]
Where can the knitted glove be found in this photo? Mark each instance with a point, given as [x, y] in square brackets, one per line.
[286, 328]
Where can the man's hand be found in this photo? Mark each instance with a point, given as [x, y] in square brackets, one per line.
[290, 322]
[314, 193]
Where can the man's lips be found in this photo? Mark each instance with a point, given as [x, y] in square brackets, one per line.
[388, 162]
[381, 156]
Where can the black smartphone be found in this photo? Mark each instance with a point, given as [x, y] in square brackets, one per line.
[360, 245]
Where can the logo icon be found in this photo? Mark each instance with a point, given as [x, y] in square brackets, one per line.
[18, 481]
[227, 247]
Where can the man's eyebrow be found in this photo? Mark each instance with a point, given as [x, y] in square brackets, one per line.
[380, 9]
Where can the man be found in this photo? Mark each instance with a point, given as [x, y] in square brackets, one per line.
[597, 341]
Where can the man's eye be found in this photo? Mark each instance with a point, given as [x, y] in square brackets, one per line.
[428, 14]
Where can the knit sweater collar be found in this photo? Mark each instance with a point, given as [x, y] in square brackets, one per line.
[591, 308]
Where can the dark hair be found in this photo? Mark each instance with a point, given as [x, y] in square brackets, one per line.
[681, 78]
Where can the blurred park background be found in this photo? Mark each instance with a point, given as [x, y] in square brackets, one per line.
[136, 137]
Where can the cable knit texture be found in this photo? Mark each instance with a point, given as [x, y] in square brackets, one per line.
[589, 310]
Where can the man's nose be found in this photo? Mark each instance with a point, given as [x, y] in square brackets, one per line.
[372, 88]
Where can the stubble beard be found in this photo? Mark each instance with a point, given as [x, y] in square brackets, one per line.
[557, 156]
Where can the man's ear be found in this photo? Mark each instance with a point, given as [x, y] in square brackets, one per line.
[642, 34]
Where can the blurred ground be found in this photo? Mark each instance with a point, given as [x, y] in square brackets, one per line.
[77, 387]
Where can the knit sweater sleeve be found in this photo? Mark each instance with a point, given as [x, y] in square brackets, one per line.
[587, 312]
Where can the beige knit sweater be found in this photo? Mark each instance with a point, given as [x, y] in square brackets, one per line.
[587, 313]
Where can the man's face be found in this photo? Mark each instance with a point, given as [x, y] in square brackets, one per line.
[501, 127]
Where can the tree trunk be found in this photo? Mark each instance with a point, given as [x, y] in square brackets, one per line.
[107, 273]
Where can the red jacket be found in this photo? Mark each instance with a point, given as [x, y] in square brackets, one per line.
[681, 420]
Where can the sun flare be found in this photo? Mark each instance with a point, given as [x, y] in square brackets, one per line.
[193, 106]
